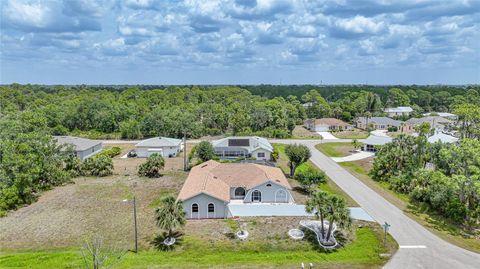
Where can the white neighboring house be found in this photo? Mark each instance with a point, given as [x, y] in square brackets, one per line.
[84, 148]
[373, 141]
[445, 115]
[399, 111]
[164, 146]
[243, 146]
[443, 138]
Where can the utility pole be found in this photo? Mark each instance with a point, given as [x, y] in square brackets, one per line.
[185, 166]
[135, 222]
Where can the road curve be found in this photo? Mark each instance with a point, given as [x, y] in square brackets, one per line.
[419, 248]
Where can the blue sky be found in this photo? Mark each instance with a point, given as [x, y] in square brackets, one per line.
[240, 42]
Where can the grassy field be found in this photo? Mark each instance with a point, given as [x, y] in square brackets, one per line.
[364, 252]
[337, 149]
[356, 134]
[435, 223]
[301, 132]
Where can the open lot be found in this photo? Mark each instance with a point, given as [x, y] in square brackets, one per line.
[355, 134]
[301, 132]
[338, 149]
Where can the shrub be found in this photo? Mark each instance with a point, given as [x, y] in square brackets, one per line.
[112, 152]
[308, 176]
[204, 151]
[99, 165]
[152, 167]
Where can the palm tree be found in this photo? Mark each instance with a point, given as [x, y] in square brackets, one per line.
[355, 144]
[372, 101]
[338, 213]
[318, 203]
[170, 215]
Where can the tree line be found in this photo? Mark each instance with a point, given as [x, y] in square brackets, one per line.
[444, 178]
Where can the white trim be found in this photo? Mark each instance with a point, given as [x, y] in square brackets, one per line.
[251, 196]
[202, 192]
[286, 195]
[244, 192]
[271, 181]
[208, 212]
[198, 211]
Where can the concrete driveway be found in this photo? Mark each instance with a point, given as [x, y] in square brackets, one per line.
[327, 135]
[353, 157]
[419, 248]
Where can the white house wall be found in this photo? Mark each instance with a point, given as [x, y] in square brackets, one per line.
[84, 154]
[266, 154]
[142, 152]
[203, 200]
[268, 193]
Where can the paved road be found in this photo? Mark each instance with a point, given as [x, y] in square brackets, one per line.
[410, 235]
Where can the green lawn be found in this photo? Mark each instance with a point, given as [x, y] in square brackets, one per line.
[357, 134]
[337, 149]
[361, 253]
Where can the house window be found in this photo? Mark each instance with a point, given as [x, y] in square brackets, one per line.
[195, 208]
[256, 196]
[269, 185]
[240, 192]
[211, 208]
[261, 154]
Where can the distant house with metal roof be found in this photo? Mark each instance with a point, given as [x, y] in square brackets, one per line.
[165, 146]
[327, 124]
[398, 111]
[243, 146]
[84, 148]
[443, 138]
[377, 123]
[445, 115]
[372, 142]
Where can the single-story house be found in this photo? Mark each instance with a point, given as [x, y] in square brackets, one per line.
[445, 115]
[398, 111]
[243, 146]
[443, 138]
[373, 141]
[211, 186]
[377, 123]
[165, 146]
[327, 124]
[436, 122]
[83, 147]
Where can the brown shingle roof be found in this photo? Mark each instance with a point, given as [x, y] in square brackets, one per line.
[216, 179]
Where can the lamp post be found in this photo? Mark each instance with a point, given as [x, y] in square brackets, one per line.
[134, 221]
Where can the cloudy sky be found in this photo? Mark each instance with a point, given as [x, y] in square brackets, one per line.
[240, 42]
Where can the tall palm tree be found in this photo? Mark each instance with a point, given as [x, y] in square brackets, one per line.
[371, 104]
[337, 213]
[170, 215]
[318, 203]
